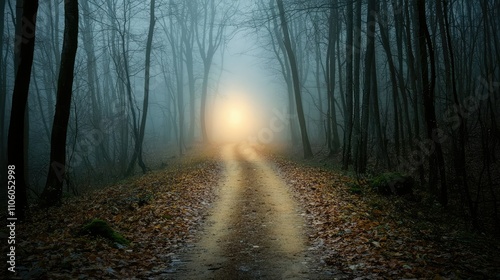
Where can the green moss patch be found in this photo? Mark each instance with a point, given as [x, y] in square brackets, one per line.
[98, 227]
[392, 183]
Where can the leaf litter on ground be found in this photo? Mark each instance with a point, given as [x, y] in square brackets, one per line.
[368, 236]
[158, 213]
[363, 235]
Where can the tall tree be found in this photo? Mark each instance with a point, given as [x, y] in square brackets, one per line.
[436, 160]
[117, 45]
[280, 54]
[176, 38]
[397, 6]
[126, 76]
[369, 86]
[52, 193]
[356, 77]
[296, 83]
[3, 83]
[188, 44]
[333, 37]
[92, 76]
[209, 37]
[16, 139]
[384, 34]
[137, 155]
[346, 153]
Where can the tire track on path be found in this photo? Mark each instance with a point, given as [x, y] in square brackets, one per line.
[254, 230]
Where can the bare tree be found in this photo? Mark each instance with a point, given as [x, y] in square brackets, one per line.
[52, 193]
[436, 160]
[279, 51]
[369, 86]
[333, 37]
[137, 154]
[188, 27]
[348, 114]
[296, 83]
[17, 134]
[176, 31]
[210, 33]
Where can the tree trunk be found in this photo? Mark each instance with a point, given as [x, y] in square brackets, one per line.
[459, 143]
[368, 87]
[121, 65]
[436, 160]
[398, 11]
[3, 84]
[140, 134]
[52, 193]
[16, 138]
[287, 76]
[296, 85]
[180, 104]
[124, 34]
[93, 82]
[209, 40]
[188, 54]
[135, 130]
[394, 85]
[204, 95]
[319, 91]
[346, 153]
[177, 54]
[333, 135]
[356, 80]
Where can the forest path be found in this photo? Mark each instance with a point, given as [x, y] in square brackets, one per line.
[254, 230]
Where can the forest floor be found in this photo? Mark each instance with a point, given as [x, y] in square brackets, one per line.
[237, 212]
[255, 231]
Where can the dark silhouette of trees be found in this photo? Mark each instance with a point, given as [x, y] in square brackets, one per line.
[295, 79]
[17, 135]
[139, 135]
[436, 160]
[374, 86]
[52, 193]
[212, 19]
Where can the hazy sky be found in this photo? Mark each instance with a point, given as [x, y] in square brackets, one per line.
[245, 80]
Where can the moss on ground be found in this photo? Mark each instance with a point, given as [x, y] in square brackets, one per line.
[392, 183]
[98, 227]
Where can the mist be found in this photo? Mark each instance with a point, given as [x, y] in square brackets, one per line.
[96, 91]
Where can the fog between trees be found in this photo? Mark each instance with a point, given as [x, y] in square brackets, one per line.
[408, 86]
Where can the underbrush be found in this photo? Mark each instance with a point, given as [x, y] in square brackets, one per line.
[128, 229]
[361, 232]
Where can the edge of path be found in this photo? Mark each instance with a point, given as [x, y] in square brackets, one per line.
[371, 236]
[158, 212]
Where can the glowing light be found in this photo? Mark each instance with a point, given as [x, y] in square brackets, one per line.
[235, 117]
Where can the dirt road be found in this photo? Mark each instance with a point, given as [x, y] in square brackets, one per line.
[254, 231]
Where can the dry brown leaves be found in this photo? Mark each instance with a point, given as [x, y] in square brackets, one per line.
[363, 236]
[158, 213]
[367, 237]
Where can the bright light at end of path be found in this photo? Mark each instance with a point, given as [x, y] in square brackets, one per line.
[233, 118]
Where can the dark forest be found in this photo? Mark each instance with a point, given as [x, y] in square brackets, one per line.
[259, 139]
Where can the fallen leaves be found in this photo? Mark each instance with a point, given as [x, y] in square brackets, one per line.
[158, 213]
[361, 235]
[372, 237]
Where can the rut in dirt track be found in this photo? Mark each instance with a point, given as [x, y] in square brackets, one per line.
[254, 230]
